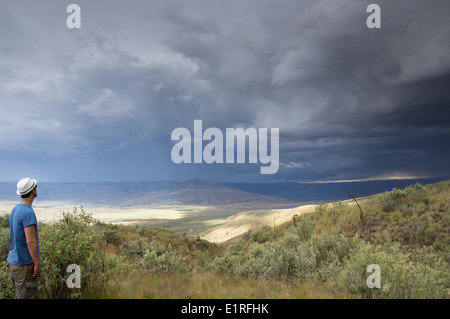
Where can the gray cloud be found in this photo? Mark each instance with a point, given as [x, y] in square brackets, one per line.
[350, 102]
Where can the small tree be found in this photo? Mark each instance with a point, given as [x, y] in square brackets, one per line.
[71, 240]
[361, 215]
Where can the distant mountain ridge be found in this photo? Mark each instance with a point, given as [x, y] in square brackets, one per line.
[192, 192]
[203, 192]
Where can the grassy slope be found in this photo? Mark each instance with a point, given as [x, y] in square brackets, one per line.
[131, 241]
[415, 217]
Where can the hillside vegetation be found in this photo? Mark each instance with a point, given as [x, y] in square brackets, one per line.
[322, 254]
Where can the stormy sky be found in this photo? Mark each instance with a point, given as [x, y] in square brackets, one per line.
[99, 103]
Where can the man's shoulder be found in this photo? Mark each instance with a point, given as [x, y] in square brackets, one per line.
[23, 209]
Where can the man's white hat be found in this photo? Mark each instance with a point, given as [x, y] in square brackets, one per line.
[25, 185]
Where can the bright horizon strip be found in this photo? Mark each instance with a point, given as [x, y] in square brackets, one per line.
[370, 179]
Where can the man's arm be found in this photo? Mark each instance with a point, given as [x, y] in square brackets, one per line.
[33, 248]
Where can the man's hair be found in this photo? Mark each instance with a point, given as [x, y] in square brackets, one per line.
[28, 194]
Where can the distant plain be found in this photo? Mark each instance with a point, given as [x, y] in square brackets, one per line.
[187, 219]
[195, 208]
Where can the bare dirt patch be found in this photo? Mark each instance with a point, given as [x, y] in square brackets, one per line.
[243, 222]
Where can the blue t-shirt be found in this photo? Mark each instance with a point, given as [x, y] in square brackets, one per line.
[22, 216]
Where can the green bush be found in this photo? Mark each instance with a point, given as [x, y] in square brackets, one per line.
[424, 276]
[304, 229]
[290, 257]
[72, 240]
[158, 258]
[4, 221]
[226, 264]
[5, 244]
[5, 281]
[134, 247]
[261, 235]
[392, 200]
[305, 262]
[5, 276]
[262, 260]
[330, 248]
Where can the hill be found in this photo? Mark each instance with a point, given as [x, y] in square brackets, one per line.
[405, 232]
[245, 222]
[193, 192]
[202, 192]
[414, 215]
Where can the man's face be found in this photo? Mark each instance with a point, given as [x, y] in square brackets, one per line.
[34, 192]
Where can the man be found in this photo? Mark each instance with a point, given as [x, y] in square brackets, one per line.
[24, 257]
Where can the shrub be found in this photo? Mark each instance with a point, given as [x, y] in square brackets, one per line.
[322, 207]
[425, 276]
[305, 261]
[4, 221]
[391, 200]
[431, 273]
[290, 257]
[304, 229]
[261, 235]
[5, 281]
[263, 260]
[5, 245]
[226, 264]
[72, 240]
[136, 246]
[330, 248]
[156, 258]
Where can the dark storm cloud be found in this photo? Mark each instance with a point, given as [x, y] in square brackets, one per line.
[350, 102]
